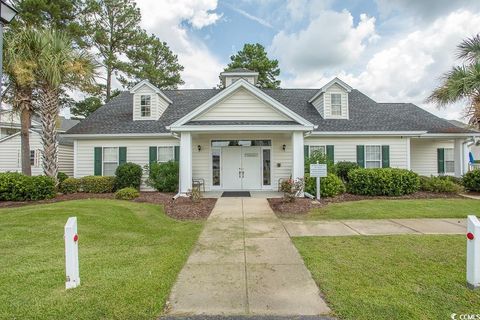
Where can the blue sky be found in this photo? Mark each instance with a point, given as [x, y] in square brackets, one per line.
[392, 50]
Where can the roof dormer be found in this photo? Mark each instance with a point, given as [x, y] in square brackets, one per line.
[331, 101]
[149, 102]
[230, 76]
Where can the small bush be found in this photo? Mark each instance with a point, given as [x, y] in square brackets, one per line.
[163, 176]
[343, 168]
[127, 194]
[61, 176]
[97, 184]
[453, 179]
[70, 185]
[291, 188]
[471, 180]
[383, 182]
[194, 194]
[439, 184]
[18, 187]
[128, 175]
[330, 186]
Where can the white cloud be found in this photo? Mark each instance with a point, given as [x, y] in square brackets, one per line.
[166, 19]
[330, 39]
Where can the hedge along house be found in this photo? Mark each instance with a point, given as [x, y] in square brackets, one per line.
[242, 137]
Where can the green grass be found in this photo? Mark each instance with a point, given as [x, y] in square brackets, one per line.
[395, 209]
[130, 255]
[391, 277]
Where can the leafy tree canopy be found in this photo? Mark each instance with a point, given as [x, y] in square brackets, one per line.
[86, 107]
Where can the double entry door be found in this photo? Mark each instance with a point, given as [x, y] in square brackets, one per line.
[241, 168]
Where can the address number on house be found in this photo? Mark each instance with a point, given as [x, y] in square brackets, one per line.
[318, 170]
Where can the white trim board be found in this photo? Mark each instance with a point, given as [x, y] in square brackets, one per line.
[151, 86]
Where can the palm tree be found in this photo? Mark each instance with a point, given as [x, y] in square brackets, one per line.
[60, 66]
[20, 55]
[463, 82]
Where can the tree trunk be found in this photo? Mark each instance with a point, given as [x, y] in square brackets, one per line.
[26, 120]
[49, 114]
[109, 83]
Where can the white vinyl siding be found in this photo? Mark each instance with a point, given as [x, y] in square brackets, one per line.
[345, 149]
[424, 155]
[137, 152]
[65, 159]
[157, 104]
[242, 105]
[319, 105]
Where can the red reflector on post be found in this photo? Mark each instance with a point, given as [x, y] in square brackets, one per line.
[470, 236]
[75, 238]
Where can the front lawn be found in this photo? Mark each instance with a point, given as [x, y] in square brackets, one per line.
[130, 254]
[391, 277]
[394, 209]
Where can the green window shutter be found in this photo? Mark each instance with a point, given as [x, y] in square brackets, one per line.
[122, 155]
[441, 160]
[152, 154]
[361, 156]
[331, 153]
[306, 151]
[176, 152]
[97, 161]
[385, 156]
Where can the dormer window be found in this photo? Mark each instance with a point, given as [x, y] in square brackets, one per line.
[145, 106]
[336, 101]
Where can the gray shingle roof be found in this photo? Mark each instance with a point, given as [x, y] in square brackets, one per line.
[365, 114]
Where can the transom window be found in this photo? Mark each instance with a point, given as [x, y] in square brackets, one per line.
[449, 160]
[244, 143]
[110, 160]
[166, 154]
[321, 149]
[336, 104]
[373, 156]
[145, 106]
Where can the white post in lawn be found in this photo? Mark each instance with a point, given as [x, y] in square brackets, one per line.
[458, 157]
[298, 167]
[185, 162]
[473, 252]
[71, 254]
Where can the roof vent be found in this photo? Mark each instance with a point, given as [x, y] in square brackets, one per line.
[230, 76]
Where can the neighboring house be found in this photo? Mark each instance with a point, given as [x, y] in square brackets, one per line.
[245, 138]
[10, 144]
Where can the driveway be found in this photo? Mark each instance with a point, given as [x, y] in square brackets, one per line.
[245, 264]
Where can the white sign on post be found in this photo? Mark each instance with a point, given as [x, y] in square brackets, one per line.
[318, 170]
[473, 252]
[71, 254]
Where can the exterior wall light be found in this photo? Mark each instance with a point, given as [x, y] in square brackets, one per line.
[199, 147]
[284, 147]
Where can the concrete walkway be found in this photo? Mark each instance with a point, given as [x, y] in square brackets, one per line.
[245, 264]
[375, 227]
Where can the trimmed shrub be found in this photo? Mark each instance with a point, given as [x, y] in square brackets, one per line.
[439, 184]
[15, 186]
[330, 186]
[342, 169]
[97, 184]
[471, 180]
[127, 194]
[70, 185]
[163, 176]
[383, 182]
[128, 175]
[453, 179]
[61, 176]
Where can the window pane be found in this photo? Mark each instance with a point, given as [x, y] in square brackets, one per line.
[216, 167]
[336, 99]
[109, 168]
[449, 166]
[373, 153]
[32, 157]
[320, 149]
[110, 154]
[144, 100]
[448, 154]
[266, 167]
[165, 154]
[145, 106]
[336, 110]
[373, 164]
[234, 143]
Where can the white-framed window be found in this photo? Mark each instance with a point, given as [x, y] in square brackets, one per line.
[373, 156]
[449, 160]
[145, 106]
[336, 104]
[110, 160]
[165, 154]
[321, 149]
[33, 158]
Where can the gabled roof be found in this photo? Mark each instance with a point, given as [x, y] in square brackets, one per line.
[241, 84]
[328, 85]
[151, 86]
[366, 115]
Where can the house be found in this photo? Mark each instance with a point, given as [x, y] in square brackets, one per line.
[242, 137]
[10, 144]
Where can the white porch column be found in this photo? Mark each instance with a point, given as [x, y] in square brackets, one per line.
[458, 157]
[298, 165]
[185, 162]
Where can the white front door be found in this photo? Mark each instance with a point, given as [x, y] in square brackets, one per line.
[241, 168]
